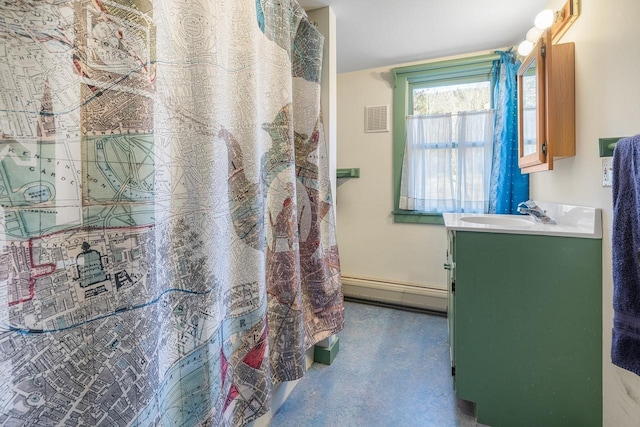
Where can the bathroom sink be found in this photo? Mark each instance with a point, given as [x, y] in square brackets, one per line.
[571, 221]
[498, 220]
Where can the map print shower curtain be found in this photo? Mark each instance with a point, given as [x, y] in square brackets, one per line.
[167, 248]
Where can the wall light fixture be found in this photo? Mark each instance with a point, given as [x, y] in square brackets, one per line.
[559, 21]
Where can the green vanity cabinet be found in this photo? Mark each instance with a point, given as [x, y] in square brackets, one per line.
[527, 315]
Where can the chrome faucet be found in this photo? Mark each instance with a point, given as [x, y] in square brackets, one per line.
[530, 208]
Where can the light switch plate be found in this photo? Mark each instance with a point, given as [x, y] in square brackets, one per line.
[607, 171]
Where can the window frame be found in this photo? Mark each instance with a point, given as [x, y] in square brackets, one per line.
[455, 71]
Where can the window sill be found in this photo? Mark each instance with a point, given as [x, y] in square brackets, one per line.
[417, 217]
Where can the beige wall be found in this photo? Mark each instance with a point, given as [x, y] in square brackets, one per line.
[325, 21]
[607, 38]
[371, 245]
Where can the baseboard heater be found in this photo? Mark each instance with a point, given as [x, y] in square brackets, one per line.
[395, 293]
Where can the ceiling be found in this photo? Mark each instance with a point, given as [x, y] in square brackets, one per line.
[377, 33]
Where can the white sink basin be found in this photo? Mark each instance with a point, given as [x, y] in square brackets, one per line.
[498, 220]
[571, 221]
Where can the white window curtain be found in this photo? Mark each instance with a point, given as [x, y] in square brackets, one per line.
[447, 162]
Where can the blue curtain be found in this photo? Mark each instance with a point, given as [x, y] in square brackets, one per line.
[508, 186]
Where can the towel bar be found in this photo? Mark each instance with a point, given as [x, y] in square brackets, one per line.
[348, 173]
[607, 145]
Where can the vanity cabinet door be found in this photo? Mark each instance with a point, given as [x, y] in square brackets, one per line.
[528, 328]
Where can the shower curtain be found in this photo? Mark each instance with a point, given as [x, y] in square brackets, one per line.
[508, 185]
[167, 241]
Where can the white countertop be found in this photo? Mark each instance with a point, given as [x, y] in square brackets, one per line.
[572, 221]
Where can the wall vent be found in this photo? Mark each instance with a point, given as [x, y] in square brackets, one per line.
[376, 119]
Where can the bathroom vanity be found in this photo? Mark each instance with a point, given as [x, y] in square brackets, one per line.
[525, 316]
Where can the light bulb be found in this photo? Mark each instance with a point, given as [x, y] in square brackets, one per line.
[544, 19]
[534, 34]
[525, 48]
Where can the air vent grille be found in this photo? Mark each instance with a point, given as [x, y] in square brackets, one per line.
[376, 118]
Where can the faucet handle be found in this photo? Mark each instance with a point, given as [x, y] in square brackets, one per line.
[529, 204]
[529, 207]
[525, 207]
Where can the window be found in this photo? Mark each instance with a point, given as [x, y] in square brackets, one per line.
[443, 108]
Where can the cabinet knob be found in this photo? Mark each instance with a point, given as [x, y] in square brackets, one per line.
[448, 266]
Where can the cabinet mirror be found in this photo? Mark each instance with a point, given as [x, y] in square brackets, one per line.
[531, 108]
[529, 102]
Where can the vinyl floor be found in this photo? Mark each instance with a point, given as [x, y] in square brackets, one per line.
[392, 370]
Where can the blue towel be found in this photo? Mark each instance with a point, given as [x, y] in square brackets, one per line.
[625, 346]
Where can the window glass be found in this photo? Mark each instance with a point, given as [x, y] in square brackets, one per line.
[454, 88]
[451, 98]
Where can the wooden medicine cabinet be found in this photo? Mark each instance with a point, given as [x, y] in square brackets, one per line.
[546, 105]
